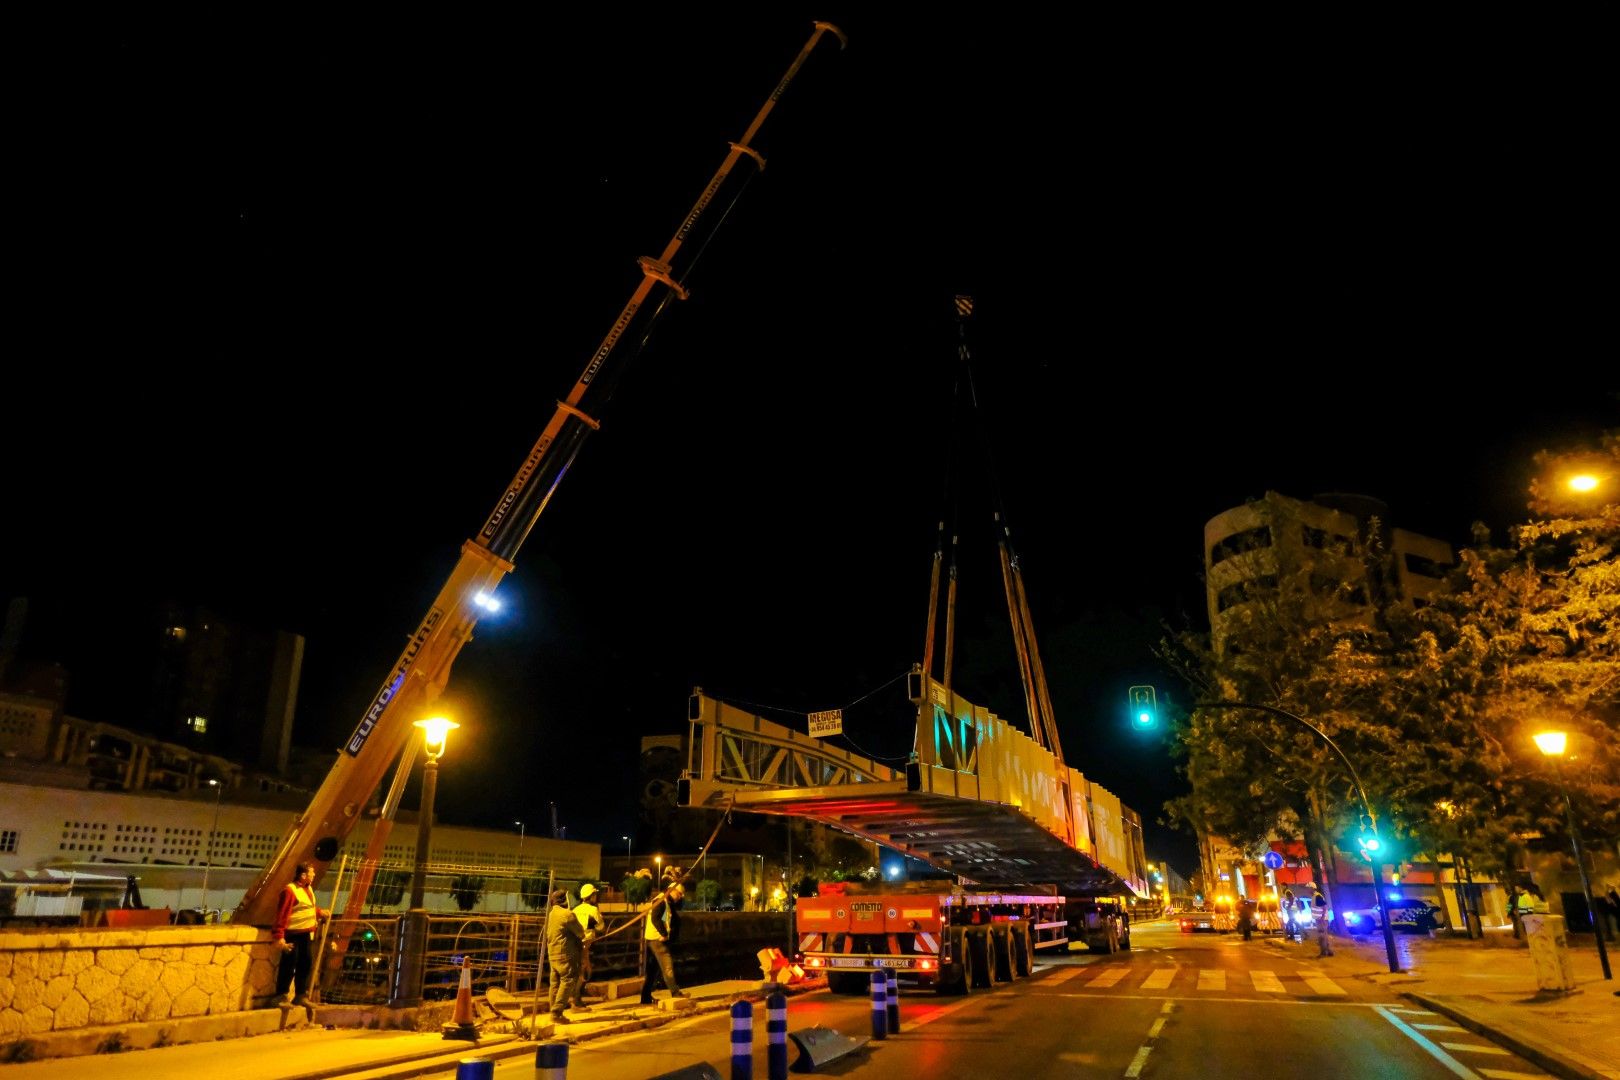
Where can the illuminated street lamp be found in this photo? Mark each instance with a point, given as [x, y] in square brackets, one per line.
[1552, 744]
[412, 943]
[208, 860]
[434, 733]
[753, 894]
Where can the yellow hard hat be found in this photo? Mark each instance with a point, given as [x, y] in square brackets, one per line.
[586, 891]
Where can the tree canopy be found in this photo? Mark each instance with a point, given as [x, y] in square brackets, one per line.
[1433, 699]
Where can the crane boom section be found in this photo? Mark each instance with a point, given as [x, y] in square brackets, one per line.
[423, 668]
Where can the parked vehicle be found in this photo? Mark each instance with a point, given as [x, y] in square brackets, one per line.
[1406, 914]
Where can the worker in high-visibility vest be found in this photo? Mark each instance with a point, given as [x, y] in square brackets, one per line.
[297, 916]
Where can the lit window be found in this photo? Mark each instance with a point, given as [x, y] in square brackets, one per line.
[198, 724]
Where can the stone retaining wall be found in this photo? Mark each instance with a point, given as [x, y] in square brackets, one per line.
[62, 980]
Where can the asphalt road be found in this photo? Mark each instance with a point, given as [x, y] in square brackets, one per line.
[1177, 1005]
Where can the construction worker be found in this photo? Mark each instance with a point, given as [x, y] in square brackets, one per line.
[297, 916]
[591, 922]
[661, 927]
[565, 949]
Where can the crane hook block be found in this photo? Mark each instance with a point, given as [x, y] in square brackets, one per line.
[659, 271]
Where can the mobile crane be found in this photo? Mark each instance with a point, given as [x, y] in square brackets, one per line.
[423, 668]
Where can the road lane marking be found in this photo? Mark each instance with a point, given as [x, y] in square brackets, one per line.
[1434, 1051]
[1324, 986]
[1064, 976]
[1504, 1074]
[1169, 1007]
[1160, 979]
[1109, 976]
[1137, 1062]
[1211, 979]
[1474, 1049]
[1267, 981]
[1437, 1027]
[1114, 995]
[1158, 1026]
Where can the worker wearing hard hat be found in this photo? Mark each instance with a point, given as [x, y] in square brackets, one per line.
[591, 923]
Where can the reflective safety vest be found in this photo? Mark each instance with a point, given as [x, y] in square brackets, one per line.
[304, 911]
[657, 920]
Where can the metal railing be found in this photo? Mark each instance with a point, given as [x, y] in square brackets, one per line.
[503, 950]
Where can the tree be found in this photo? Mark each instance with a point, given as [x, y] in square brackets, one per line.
[708, 893]
[388, 887]
[466, 890]
[535, 891]
[1442, 697]
[637, 887]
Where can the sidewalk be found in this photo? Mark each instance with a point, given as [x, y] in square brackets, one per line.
[1489, 987]
[316, 1053]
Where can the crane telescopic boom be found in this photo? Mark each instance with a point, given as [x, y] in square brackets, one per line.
[423, 668]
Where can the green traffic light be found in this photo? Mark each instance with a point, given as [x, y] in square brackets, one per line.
[1145, 701]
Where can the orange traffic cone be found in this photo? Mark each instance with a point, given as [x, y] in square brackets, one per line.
[461, 1024]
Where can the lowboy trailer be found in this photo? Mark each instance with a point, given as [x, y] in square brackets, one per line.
[952, 938]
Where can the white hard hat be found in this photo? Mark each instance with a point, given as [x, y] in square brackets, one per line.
[586, 891]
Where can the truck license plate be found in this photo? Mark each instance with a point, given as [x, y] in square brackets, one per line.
[872, 962]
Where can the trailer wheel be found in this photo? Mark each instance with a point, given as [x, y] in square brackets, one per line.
[1023, 963]
[957, 976]
[1003, 969]
[984, 972]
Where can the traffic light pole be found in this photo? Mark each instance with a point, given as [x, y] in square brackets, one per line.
[1378, 889]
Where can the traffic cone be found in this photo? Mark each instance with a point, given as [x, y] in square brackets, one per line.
[461, 1024]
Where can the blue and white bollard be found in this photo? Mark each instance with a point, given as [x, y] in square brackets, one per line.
[742, 1041]
[880, 1005]
[891, 991]
[776, 1060]
[551, 1061]
[475, 1069]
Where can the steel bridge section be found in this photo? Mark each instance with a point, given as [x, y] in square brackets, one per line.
[979, 801]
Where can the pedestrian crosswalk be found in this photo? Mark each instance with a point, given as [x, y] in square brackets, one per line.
[1304, 981]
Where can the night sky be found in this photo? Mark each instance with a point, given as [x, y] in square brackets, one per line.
[295, 300]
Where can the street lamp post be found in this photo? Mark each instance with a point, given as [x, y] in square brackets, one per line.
[1552, 744]
[208, 859]
[409, 971]
[518, 863]
[1372, 846]
[629, 866]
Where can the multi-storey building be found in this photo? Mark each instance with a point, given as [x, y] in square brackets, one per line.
[1250, 549]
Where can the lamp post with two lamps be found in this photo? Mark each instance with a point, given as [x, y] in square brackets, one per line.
[412, 957]
[1553, 744]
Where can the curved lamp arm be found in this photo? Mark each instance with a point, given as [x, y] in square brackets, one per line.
[1365, 804]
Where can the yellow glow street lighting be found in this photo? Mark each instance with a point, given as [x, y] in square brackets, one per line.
[413, 927]
[1583, 483]
[1553, 744]
[434, 732]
